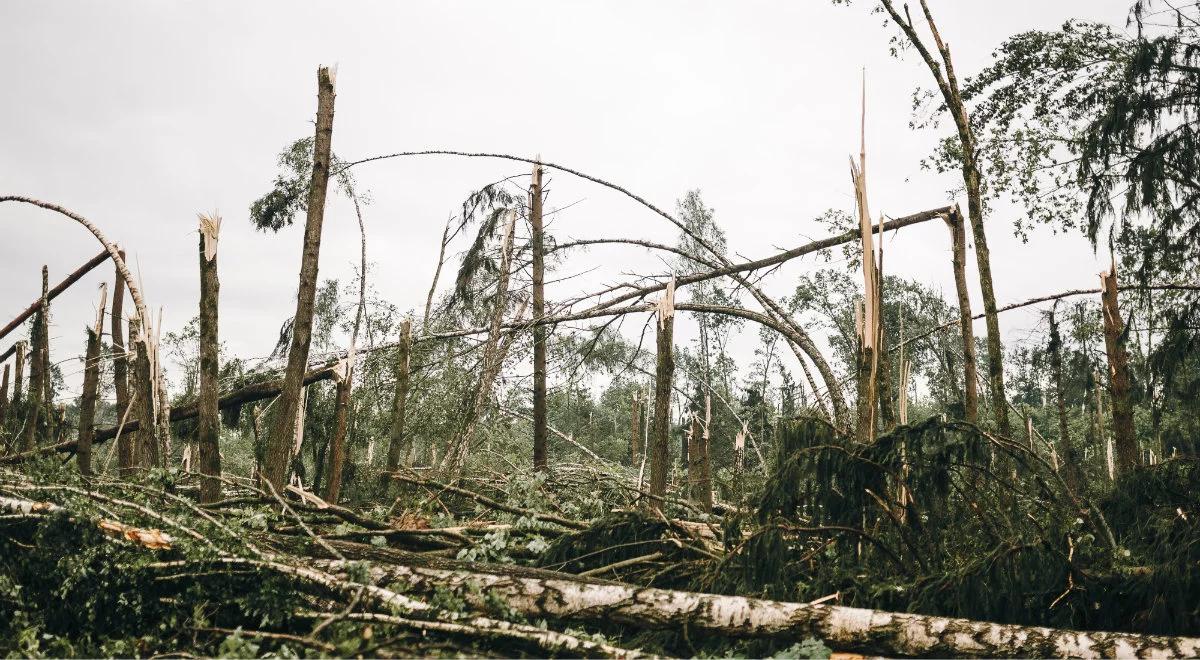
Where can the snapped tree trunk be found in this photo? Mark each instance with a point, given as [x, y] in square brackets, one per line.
[540, 431]
[664, 371]
[91, 383]
[209, 424]
[699, 477]
[399, 443]
[958, 245]
[145, 444]
[948, 85]
[39, 361]
[279, 444]
[18, 375]
[125, 448]
[1128, 453]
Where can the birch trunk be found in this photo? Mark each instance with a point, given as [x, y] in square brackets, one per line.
[277, 457]
[843, 628]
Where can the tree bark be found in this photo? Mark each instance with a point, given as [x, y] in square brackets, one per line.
[958, 246]
[279, 444]
[948, 85]
[208, 432]
[399, 442]
[38, 364]
[1128, 453]
[125, 451]
[540, 432]
[664, 372]
[843, 628]
[145, 445]
[91, 386]
[337, 447]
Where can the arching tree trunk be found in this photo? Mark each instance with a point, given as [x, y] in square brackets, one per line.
[278, 453]
[209, 426]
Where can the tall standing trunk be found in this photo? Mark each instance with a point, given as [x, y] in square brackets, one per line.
[1128, 453]
[664, 371]
[145, 445]
[699, 470]
[635, 436]
[540, 430]
[91, 383]
[958, 243]
[948, 85]
[38, 369]
[125, 447]
[278, 454]
[209, 424]
[399, 442]
[868, 321]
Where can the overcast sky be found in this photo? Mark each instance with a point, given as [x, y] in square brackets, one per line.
[138, 115]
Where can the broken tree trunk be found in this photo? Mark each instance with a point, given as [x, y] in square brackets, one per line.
[958, 245]
[125, 452]
[1127, 452]
[91, 383]
[53, 293]
[867, 316]
[278, 451]
[540, 432]
[145, 446]
[664, 372]
[208, 431]
[38, 363]
[843, 628]
[398, 442]
[699, 477]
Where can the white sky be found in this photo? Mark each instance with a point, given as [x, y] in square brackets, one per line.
[138, 115]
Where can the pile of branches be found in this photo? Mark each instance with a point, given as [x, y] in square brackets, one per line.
[517, 566]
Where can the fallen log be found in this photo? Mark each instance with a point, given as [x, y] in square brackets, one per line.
[843, 628]
[53, 293]
[247, 394]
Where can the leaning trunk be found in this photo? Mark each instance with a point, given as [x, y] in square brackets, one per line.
[278, 452]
